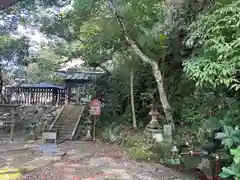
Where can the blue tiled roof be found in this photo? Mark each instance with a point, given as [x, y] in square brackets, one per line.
[41, 85]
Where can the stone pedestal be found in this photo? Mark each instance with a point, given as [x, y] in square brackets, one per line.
[153, 128]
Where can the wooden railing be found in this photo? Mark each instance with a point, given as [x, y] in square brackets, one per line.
[38, 96]
[9, 117]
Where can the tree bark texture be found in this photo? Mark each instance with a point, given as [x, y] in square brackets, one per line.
[156, 71]
[132, 101]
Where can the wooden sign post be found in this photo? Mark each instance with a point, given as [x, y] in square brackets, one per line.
[95, 110]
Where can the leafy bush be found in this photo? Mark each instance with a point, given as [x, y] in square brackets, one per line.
[142, 148]
[140, 154]
[234, 169]
[216, 34]
[231, 138]
[138, 146]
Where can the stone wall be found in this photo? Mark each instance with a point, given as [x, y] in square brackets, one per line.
[39, 115]
[29, 115]
[7, 114]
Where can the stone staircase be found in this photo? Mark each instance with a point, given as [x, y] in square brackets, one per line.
[68, 121]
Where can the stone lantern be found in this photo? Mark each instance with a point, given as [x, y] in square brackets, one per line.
[154, 129]
[154, 115]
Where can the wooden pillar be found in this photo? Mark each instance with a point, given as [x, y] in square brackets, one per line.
[94, 128]
[18, 113]
[13, 123]
[69, 94]
[78, 94]
[54, 96]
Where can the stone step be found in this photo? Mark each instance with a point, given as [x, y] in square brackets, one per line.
[155, 126]
[64, 125]
[63, 128]
[154, 130]
[64, 136]
[67, 120]
[65, 132]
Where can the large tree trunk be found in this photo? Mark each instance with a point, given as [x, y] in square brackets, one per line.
[156, 71]
[159, 80]
[163, 97]
[132, 101]
[2, 95]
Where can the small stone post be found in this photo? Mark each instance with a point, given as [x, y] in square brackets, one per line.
[167, 132]
[88, 128]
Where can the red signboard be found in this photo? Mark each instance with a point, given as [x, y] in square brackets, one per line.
[95, 107]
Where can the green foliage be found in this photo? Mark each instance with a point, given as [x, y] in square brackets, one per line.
[13, 50]
[110, 133]
[190, 113]
[44, 66]
[97, 37]
[234, 169]
[199, 109]
[236, 154]
[229, 136]
[142, 148]
[138, 147]
[173, 161]
[216, 62]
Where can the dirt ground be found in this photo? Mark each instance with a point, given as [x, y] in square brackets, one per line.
[99, 161]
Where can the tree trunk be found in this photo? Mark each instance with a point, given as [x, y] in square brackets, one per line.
[159, 80]
[156, 71]
[132, 101]
[163, 97]
[2, 96]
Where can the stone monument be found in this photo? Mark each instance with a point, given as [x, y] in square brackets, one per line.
[88, 124]
[154, 129]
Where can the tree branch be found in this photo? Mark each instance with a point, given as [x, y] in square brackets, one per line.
[128, 39]
[156, 71]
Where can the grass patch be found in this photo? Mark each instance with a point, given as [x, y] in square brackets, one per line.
[140, 147]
